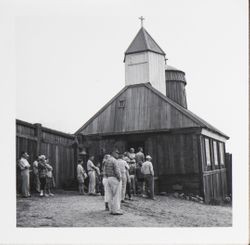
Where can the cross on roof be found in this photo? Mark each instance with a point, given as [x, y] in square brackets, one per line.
[142, 19]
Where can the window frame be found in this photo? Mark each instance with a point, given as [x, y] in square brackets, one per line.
[122, 103]
[208, 163]
[222, 154]
[215, 154]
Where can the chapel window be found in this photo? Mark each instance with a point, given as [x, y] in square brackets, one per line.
[215, 153]
[222, 155]
[207, 150]
[121, 103]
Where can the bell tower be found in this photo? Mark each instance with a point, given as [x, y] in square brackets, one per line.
[145, 61]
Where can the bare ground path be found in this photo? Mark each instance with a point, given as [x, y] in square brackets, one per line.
[68, 209]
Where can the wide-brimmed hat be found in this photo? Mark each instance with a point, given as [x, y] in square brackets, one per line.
[148, 157]
[26, 154]
[42, 157]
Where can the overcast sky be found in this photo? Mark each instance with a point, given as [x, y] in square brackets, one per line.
[66, 60]
[69, 58]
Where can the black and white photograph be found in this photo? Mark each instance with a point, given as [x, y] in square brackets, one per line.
[127, 114]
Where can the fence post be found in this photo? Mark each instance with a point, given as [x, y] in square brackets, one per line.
[39, 136]
[229, 172]
[76, 154]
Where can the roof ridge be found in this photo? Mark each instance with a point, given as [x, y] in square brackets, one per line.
[145, 37]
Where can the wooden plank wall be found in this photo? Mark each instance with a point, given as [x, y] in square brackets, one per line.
[59, 147]
[156, 64]
[215, 185]
[175, 156]
[175, 90]
[178, 158]
[175, 159]
[229, 173]
[214, 178]
[144, 110]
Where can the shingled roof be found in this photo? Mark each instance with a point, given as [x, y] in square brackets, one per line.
[144, 42]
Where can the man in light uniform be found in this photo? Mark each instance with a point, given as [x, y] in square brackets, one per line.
[91, 168]
[112, 173]
[123, 166]
[105, 183]
[148, 171]
[25, 174]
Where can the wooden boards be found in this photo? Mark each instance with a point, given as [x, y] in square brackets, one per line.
[143, 110]
[59, 147]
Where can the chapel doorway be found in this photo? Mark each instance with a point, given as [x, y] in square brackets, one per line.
[135, 145]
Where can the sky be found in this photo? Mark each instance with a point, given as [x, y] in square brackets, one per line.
[67, 60]
[69, 57]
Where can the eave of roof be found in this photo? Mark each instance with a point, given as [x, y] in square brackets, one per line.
[202, 123]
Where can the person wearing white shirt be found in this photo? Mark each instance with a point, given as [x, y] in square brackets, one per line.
[123, 166]
[25, 174]
[148, 171]
[105, 182]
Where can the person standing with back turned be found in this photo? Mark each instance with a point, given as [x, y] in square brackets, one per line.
[148, 171]
[140, 159]
[113, 175]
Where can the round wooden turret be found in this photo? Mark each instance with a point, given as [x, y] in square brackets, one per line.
[175, 85]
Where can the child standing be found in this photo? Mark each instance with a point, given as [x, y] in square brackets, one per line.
[81, 175]
[42, 171]
[49, 178]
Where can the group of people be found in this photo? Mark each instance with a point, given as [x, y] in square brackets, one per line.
[121, 175]
[43, 175]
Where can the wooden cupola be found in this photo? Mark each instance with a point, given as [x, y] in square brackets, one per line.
[145, 62]
[175, 85]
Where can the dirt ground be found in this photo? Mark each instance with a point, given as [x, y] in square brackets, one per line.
[68, 209]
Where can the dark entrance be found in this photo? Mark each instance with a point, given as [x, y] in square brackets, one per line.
[135, 145]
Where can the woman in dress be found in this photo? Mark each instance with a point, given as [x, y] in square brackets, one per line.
[81, 175]
[25, 174]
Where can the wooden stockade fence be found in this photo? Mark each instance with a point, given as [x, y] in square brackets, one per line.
[229, 173]
[59, 147]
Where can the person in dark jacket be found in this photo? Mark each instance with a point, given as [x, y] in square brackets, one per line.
[140, 159]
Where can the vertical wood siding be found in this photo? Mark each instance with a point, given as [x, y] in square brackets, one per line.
[144, 68]
[215, 185]
[136, 68]
[214, 177]
[175, 90]
[157, 71]
[58, 147]
[175, 159]
[144, 110]
[175, 156]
